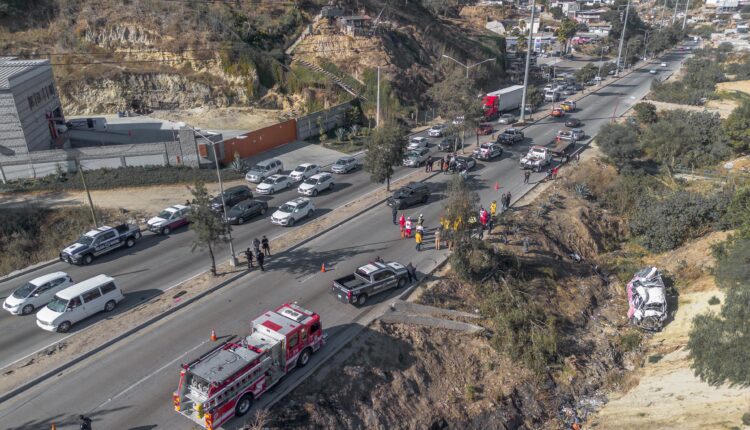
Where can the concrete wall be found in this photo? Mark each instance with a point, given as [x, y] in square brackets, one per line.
[34, 122]
[307, 126]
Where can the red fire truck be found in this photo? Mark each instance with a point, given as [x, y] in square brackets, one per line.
[224, 382]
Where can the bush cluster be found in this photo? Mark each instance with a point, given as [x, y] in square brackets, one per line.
[122, 177]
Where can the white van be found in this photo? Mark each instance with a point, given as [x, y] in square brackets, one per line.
[36, 293]
[78, 302]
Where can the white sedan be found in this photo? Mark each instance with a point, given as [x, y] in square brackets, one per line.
[304, 171]
[417, 142]
[273, 183]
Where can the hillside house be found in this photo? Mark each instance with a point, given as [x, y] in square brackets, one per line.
[589, 17]
[355, 25]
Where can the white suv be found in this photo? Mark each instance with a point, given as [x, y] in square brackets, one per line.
[315, 184]
[304, 171]
[291, 211]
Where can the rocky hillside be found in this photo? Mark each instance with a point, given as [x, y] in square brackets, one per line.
[162, 54]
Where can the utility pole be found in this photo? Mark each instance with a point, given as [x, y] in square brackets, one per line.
[233, 260]
[674, 14]
[622, 38]
[88, 195]
[663, 9]
[684, 18]
[377, 105]
[528, 61]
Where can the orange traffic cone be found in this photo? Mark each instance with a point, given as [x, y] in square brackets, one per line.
[323, 268]
[213, 335]
[497, 186]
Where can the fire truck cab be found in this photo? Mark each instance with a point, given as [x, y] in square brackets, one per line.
[224, 382]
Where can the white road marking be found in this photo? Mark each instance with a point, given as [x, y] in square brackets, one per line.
[150, 375]
[302, 281]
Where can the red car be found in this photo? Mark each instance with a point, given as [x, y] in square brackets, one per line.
[485, 129]
[558, 112]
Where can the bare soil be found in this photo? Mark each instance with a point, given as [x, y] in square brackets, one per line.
[234, 118]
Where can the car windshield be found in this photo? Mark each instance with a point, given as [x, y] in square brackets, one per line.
[311, 181]
[57, 304]
[342, 161]
[287, 208]
[259, 168]
[269, 181]
[85, 240]
[24, 291]
[300, 169]
[486, 146]
[237, 209]
[165, 214]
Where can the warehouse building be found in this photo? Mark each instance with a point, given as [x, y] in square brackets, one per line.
[31, 117]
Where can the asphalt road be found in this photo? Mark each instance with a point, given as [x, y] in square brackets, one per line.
[129, 385]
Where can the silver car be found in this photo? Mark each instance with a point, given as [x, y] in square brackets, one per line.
[506, 118]
[344, 165]
[264, 169]
[416, 157]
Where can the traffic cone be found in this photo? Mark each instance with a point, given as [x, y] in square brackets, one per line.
[323, 268]
[497, 186]
[213, 335]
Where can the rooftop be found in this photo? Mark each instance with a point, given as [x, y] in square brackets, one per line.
[10, 68]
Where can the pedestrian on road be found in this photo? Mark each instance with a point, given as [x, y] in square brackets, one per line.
[432, 163]
[554, 172]
[412, 272]
[418, 240]
[249, 256]
[438, 234]
[526, 176]
[445, 167]
[428, 164]
[490, 224]
[264, 243]
[256, 245]
[394, 212]
[407, 228]
[502, 202]
[402, 225]
[85, 422]
[261, 257]
[493, 209]
[507, 200]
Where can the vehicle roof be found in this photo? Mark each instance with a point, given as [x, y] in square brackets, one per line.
[236, 187]
[510, 130]
[297, 201]
[419, 138]
[414, 185]
[248, 202]
[371, 267]
[538, 148]
[266, 162]
[175, 208]
[82, 287]
[320, 175]
[97, 231]
[438, 125]
[276, 176]
[46, 278]
[305, 164]
[347, 158]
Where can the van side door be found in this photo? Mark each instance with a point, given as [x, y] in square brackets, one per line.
[75, 310]
[92, 301]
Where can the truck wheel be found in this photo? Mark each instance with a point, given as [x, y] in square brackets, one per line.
[304, 358]
[166, 230]
[315, 193]
[240, 220]
[401, 283]
[110, 306]
[87, 259]
[27, 309]
[130, 242]
[63, 327]
[243, 405]
[361, 299]
[263, 211]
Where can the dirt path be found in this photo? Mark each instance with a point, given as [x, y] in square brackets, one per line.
[668, 395]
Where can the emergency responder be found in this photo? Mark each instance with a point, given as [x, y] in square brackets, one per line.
[85, 422]
[249, 256]
[266, 247]
[260, 257]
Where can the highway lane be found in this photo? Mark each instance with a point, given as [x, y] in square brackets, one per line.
[139, 374]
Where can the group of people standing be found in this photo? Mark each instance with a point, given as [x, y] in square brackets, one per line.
[406, 226]
[262, 249]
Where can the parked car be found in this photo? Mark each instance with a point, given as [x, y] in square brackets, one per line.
[557, 112]
[506, 118]
[304, 171]
[315, 184]
[100, 241]
[292, 211]
[264, 169]
[232, 196]
[36, 293]
[464, 162]
[369, 280]
[417, 142]
[79, 301]
[409, 195]
[447, 144]
[436, 130]
[245, 210]
[344, 165]
[169, 219]
[485, 129]
[273, 183]
[416, 157]
[572, 122]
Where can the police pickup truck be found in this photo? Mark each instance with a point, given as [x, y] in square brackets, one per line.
[100, 241]
[369, 280]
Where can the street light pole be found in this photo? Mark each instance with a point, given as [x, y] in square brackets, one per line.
[469, 66]
[622, 38]
[528, 61]
[674, 14]
[684, 18]
[233, 259]
[645, 44]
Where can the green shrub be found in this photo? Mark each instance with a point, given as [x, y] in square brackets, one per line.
[662, 224]
[746, 418]
[713, 301]
[630, 340]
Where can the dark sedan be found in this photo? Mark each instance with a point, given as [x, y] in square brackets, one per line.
[572, 122]
[463, 162]
[447, 145]
[245, 210]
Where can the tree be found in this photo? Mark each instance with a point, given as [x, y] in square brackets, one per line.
[534, 97]
[738, 211]
[209, 229]
[645, 113]
[556, 12]
[461, 203]
[586, 73]
[456, 96]
[737, 127]
[565, 32]
[619, 142]
[385, 149]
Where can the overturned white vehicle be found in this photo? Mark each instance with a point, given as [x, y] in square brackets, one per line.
[647, 298]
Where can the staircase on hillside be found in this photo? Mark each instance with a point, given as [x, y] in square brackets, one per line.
[336, 79]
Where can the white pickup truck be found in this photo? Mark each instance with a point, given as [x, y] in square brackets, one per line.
[537, 158]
